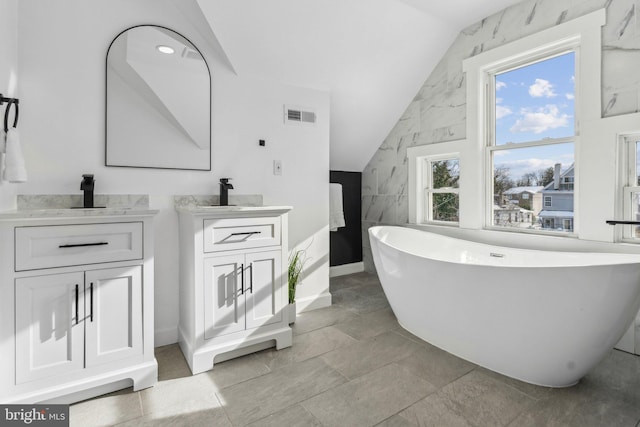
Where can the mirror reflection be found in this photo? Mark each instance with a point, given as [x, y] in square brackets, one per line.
[158, 112]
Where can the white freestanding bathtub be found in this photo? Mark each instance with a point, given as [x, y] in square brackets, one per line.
[543, 317]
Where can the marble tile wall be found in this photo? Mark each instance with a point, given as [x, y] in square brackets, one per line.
[437, 114]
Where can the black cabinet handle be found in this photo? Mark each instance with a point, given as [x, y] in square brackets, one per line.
[245, 233]
[77, 245]
[91, 301]
[251, 277]
[77, 304]
[241, 279]
[614, 222]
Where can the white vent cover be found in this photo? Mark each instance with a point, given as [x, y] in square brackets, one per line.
[298, 115]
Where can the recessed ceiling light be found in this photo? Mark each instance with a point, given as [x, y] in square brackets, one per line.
[165, 49]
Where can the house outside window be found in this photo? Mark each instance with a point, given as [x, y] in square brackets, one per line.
[547, 201]
[532, 137]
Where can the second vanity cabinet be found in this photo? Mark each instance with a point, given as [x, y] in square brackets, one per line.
[232, 282]
[76, 303]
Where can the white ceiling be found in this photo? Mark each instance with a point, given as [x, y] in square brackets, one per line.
[371, 55]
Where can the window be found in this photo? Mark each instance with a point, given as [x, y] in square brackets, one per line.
[531, 139]
[525, 196]
[441, 175]
[631, 189]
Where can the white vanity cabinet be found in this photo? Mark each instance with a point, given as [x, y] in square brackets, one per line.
[76, 298]
[233, 282]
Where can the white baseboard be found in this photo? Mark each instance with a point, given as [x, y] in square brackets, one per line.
[313, 302]
[342, 270]
[165, 336]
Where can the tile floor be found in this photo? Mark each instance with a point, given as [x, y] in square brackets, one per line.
[351, 364]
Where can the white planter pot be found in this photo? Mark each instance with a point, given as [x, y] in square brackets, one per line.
[292, 313]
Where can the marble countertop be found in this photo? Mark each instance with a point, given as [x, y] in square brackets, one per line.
[74, 213]
[232, 210]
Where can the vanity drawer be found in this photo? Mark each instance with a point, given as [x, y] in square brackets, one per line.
[240, 233]
[67, 245]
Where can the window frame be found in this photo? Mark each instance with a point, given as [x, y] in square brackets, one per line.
[585, 31]
[426, 173]
[490, 145]
[630, 143]
[415, 158]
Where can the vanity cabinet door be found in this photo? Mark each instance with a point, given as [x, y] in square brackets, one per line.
[223, 295]
[113, 307]
[264, 290]
[49, 326]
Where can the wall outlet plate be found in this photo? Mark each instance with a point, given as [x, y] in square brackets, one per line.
[277, 167]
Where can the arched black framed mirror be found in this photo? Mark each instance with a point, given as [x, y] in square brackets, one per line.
[158, 101]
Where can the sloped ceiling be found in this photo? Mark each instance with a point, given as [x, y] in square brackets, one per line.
[371, 55]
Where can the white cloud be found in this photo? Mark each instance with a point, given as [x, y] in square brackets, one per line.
[569, 96]
[517, 168]
[541, 120]
[502, 111]
[541, 88]
[500, 85]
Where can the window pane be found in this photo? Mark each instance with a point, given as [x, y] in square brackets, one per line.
[637, 163]
[446, 173]
[533, 187]
[445, 207]
[536, 101]
[635, 215]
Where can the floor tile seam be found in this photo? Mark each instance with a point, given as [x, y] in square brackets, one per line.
[418, 341]
[529, 404]
[524, 393]
[224, 411]
[245, 380]
[312, 416]
[323, 326]
[433, 390]
[289, 407]
[140, 403]
[296, 402]
[391, 416]
[453, 405]
[344, 377]
[438, 388]
[395, 359]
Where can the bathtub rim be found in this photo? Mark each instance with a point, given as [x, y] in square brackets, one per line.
[620, 257]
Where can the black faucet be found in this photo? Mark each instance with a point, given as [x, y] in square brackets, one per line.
[87, 185]
[224, 191]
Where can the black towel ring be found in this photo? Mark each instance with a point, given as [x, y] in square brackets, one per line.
[11, 101]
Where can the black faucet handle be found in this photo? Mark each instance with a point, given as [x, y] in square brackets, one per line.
[224, 180]
[87, 182]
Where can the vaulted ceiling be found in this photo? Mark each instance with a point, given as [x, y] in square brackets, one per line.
[371, 55]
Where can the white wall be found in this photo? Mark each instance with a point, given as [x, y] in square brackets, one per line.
[8, 82]
[61, 56]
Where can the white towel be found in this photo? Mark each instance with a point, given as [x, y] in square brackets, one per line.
[14, 170]
[336, 214]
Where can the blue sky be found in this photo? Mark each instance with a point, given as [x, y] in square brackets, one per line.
[532, 103]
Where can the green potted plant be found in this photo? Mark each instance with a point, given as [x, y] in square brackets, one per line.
[296, 264]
